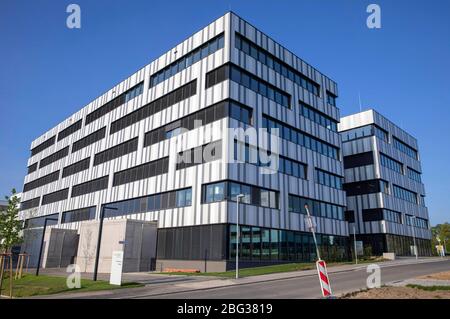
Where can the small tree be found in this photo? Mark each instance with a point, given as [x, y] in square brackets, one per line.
[10, 225]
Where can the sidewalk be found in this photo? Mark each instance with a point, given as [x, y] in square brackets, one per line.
[180, 283]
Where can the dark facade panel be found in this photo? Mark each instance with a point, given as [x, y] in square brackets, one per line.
[76, 167]
[54, 157]
[357, 160]
[116, 151]
[164, 102]
[371, 215]
[90, 187]
[32, 168]
[70, 130]
[44, 180]
[364, 187]
[55, 196]
[88, 140]
[31, 203]
[43, 146]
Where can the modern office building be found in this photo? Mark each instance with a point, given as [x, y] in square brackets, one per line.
[383, 183]
[122, 150]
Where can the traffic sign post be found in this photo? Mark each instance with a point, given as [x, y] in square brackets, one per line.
[325, 285]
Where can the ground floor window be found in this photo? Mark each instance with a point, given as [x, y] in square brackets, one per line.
[264, 244]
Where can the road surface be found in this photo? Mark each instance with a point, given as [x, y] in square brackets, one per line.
[307, 287]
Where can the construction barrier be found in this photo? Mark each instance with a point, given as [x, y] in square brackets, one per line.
[323, 278]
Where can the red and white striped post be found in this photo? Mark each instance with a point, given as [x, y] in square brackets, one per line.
[325, 285]
[323, 278]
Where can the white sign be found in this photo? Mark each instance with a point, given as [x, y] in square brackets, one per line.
[116, 268]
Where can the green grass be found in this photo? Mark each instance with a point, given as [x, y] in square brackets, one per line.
[429, 288]
[265, 270]
[30, 285]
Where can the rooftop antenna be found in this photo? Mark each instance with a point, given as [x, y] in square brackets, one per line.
[359, 99]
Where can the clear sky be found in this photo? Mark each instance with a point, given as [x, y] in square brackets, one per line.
[48, 72]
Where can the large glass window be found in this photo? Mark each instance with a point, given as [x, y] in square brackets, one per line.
[316, 208]
[404, 148]
[187, 60]
[271, 61]
[229, 190]
[296, 136]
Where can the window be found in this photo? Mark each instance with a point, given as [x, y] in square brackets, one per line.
[316, 208]
[404, 148]
[328, 179]
[248, 80]
[364, 131]
[414, 175]
[184, 197]
[294, 135]
[416, 221]
[331, 98]
[187, 60]
[405, 194]
[166, 200]
[317, 117]
[275, 63]
[229, 190]
[78, 215]
[391, 163]
[156, 106]
[285, 165]
[392, 216]
[34, 222]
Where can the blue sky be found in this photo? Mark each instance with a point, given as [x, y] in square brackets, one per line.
[48, 72]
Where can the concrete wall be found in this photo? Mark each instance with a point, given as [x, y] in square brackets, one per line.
[139, 248]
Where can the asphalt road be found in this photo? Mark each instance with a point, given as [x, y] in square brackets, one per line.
[308, 287]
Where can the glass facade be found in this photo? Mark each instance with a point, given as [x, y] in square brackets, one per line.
[263, 244]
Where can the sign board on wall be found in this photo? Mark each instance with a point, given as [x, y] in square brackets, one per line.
[116, 268]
